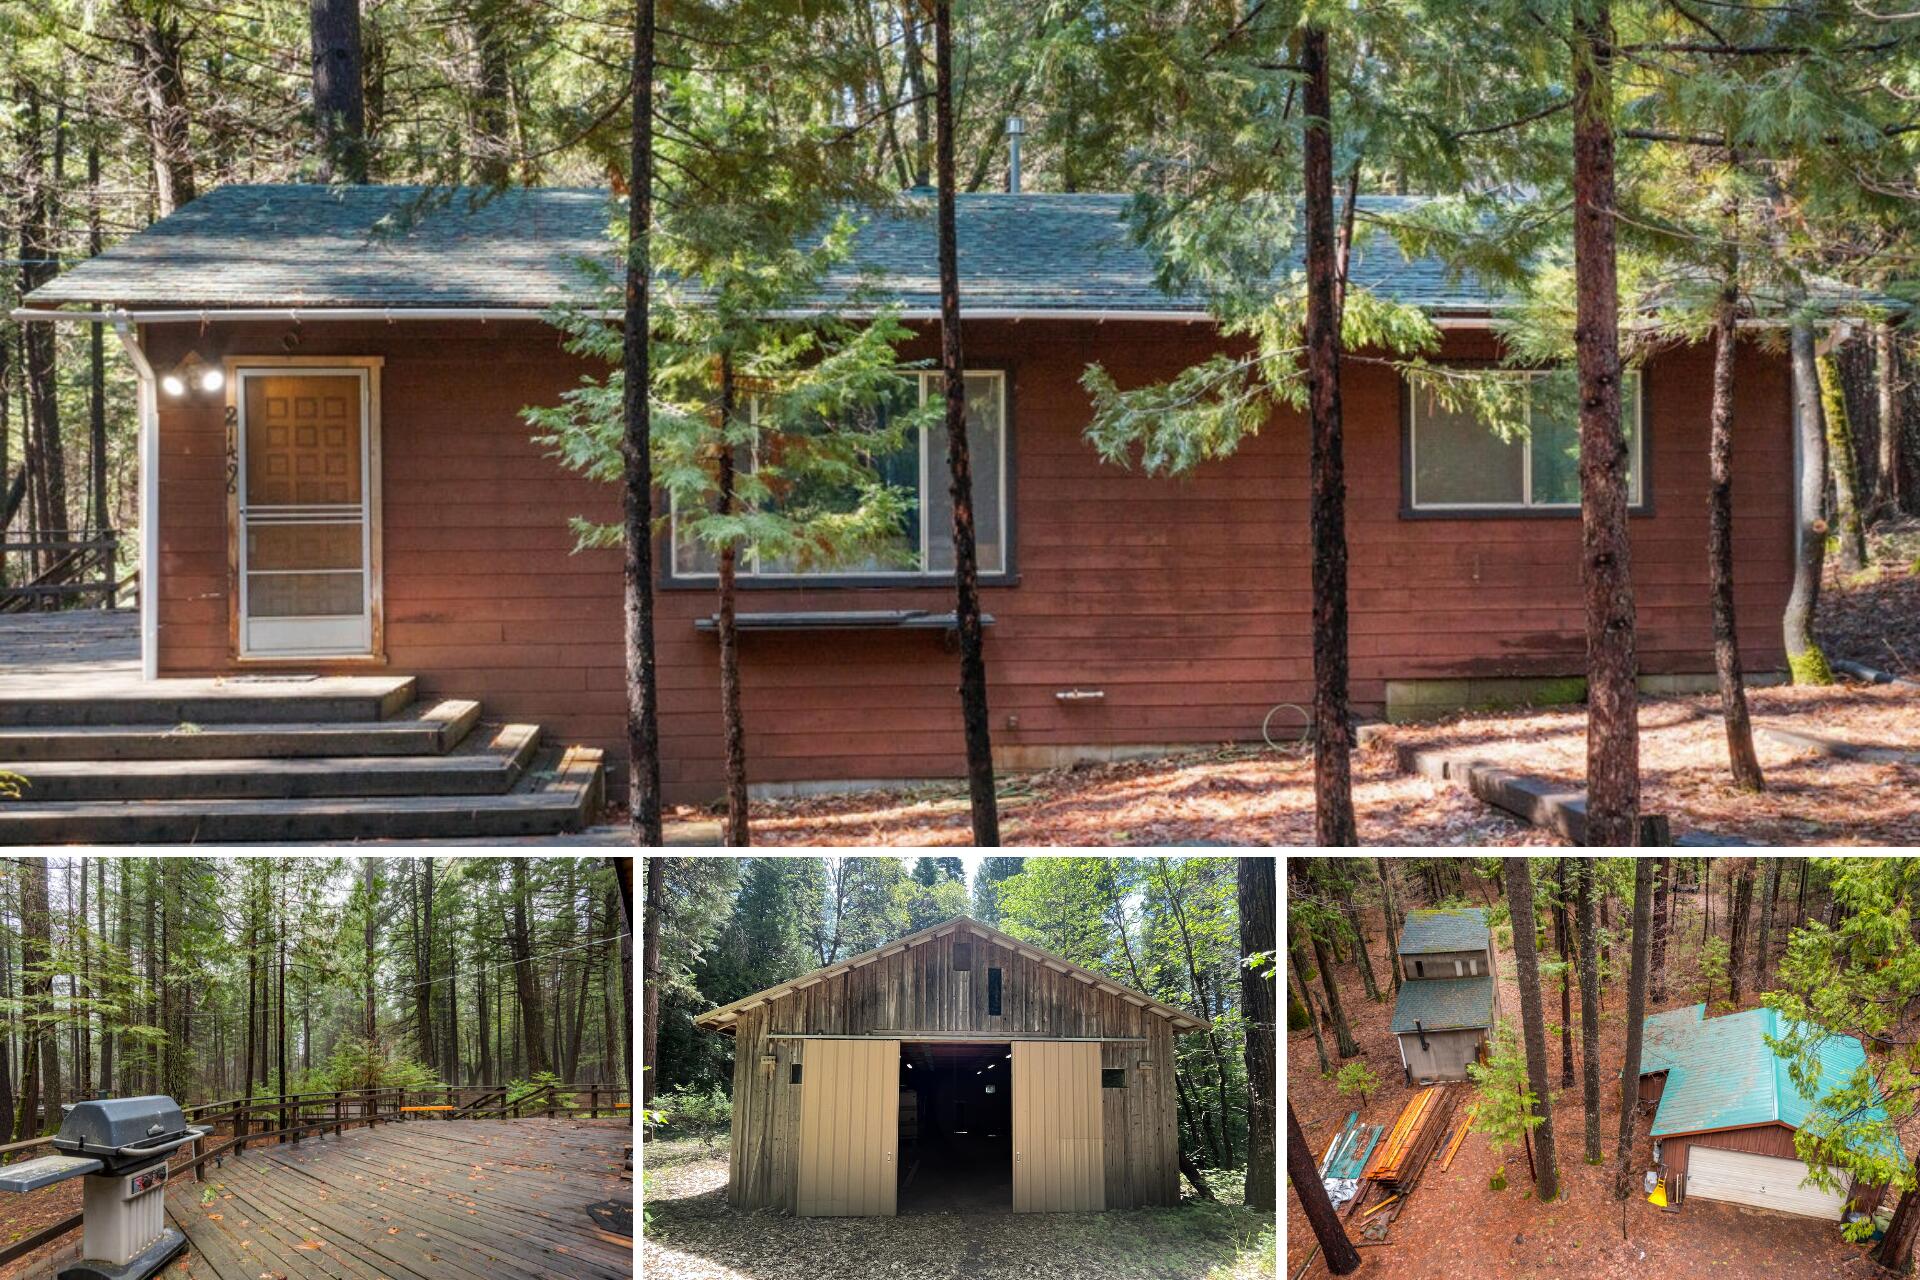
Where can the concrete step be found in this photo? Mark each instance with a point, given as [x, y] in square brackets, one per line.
[225, 700]
[562, 792]
[487, 764]
[417, 730]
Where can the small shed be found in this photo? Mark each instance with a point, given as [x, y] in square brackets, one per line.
[955, 1068]
[1449, 1001]
[1727, 1110]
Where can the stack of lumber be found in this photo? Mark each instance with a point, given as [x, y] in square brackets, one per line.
[1400, 1157]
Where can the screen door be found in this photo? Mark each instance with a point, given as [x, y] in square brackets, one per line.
[1059, 1148]
[849, 1129]
[304, 530]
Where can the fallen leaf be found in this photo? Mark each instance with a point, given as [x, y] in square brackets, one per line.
[310, 1244]
[217, 1217]
[393, 1231]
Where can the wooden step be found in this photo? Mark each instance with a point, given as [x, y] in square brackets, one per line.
[426, 731]
[488, 764]
[561, 792]
[225, 700]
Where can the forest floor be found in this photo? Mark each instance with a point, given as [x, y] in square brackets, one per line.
[1454, 1227]
[692, 1234]
[1810, 798]
[1873, 617]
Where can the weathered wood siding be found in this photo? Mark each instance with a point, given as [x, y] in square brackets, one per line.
[916, 991]
[1187, 601]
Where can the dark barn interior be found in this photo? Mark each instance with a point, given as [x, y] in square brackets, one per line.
[956, 1128]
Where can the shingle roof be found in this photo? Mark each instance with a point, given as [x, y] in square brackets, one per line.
[1721, 1074]
[1444, 929]
[315, 246]
[1444, 1004]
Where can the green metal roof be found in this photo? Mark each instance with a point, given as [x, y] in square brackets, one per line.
[1444, 1004]
[1448, 929]
[1721, 1073]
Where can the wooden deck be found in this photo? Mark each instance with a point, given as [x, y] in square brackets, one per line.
[424, 1200]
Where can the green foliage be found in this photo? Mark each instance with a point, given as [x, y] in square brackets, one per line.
[1713, 967]
[1356, 1077]
[359, 1064]
[986, 886]
[11, 785]
[703, 1114]
[1504, 1104]
[533, 1091]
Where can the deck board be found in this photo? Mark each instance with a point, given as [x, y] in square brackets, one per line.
[422, 1200]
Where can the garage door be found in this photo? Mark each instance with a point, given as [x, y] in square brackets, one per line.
[849, 1128]
[1059, 1155]
[1766, 1182]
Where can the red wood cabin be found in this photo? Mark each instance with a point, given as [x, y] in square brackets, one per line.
[383, 376]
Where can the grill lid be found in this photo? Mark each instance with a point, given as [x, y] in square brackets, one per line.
[105, 1126]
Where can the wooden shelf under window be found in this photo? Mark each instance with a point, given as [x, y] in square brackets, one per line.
[842, 620]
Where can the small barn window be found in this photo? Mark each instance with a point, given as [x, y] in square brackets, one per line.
[993, 993]
[794, 1078]
[1457, 970]
[963, 957]
[1113, 1077]
[1419, 969]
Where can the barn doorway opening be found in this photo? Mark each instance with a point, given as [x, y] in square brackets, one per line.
[956, 1128]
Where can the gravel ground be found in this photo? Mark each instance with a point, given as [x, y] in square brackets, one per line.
[691, 1234]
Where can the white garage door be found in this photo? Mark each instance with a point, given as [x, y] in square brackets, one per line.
[1766, 1182]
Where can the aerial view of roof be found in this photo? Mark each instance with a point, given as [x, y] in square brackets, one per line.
[1443, 1004]
[1722, 1074]
[1444, 929]
[524, 247]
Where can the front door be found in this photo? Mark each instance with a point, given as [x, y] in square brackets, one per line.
[849, 1129]
[305, 471]
[1059, 1150]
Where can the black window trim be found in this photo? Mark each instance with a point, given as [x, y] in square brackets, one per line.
[666, 578]
[995, 986]
[1408, 511]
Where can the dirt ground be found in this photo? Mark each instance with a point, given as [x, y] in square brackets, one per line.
[1227, 796]
[1810, 798]
[1455, 1228]
[1874, 617]
[691, 1234]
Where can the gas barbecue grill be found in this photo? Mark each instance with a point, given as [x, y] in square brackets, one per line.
[121, 1146]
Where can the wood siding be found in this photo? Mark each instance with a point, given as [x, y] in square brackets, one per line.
[1759, 1140]
[1439, 964]
[1058, 1163]
[917, 992]
[849, 1129]
[1445, 1057]
[1185, 601]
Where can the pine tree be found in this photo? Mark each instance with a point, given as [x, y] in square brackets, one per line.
[1583, 896]
[1643, 871]
[1527, 968]
[1342, 1257]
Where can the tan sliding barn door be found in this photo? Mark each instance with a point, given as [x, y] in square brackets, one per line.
[1059, 1161]
[849, 1128]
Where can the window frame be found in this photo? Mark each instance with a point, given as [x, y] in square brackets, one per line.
[670, 577]
[1525, 509]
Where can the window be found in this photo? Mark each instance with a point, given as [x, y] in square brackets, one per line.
[794, 1078]
[962, 957]
[1473, 968]
[1113, 1077]
[1457, 462]
[924, 544]
[1419, 969]
[1458, 970]
[993, 993]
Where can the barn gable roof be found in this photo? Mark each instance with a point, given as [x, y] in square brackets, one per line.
[726, 1016]
[1442, 929]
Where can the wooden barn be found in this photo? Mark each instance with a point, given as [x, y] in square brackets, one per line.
[1727, 1110]
[955, 1068]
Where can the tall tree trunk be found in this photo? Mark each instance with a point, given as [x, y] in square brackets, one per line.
[423, 959]
[533, 1022]
[1657, 971]
[913, 55]
[369, 1026]
[106, 989]
[1800, 911]
[1526, 963]
[1256, 887]
[1804, 659]
[656, 902]
[1741, 758]
[339, 104]
[1765, 938]
[253, 970]
[36, 997]
[280, 996]
[1589, 1005]
[1313, 1016]
[1888, 400]
[1360, 946]
[1566, 970]
[1613, 739]
[731, 720]
[1895, 1250]
[1342, 1257]
[636, 451]
[1849, 537]
[1342, 1035]
[1643, 870]
[1333, 821]
[1383, 866]
[493, 107]
[38, 250]
[163, 88]
[973, 665]
[99, 519]
[1742, 902]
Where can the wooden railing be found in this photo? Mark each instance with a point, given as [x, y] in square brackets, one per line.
[60, 568]
[299, 1115]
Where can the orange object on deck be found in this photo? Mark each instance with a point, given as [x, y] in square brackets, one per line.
[426, 1108]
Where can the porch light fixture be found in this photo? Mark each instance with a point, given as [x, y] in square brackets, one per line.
[192, 373]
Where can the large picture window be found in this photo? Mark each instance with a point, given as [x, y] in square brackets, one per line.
[1456, 461]
[923, 545]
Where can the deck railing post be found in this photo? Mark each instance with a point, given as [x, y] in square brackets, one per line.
[240, 1126]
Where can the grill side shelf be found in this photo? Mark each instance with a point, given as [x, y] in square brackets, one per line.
[31, 1175]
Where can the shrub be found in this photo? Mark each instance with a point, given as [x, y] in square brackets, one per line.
[534, 1088]
[1356, 1077]
[703, 1115]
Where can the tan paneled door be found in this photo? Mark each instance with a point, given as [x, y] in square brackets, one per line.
[1059, 1155]
[849, 1128]
[305, 467]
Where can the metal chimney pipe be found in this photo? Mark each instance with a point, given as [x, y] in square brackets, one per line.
[1016, 129]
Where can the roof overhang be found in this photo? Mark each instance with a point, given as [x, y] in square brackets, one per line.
[726, 1017]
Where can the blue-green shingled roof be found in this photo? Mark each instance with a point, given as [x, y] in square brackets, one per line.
[1444, 929]
[314, 246]
[1443, 1004]
[1721, 1074]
